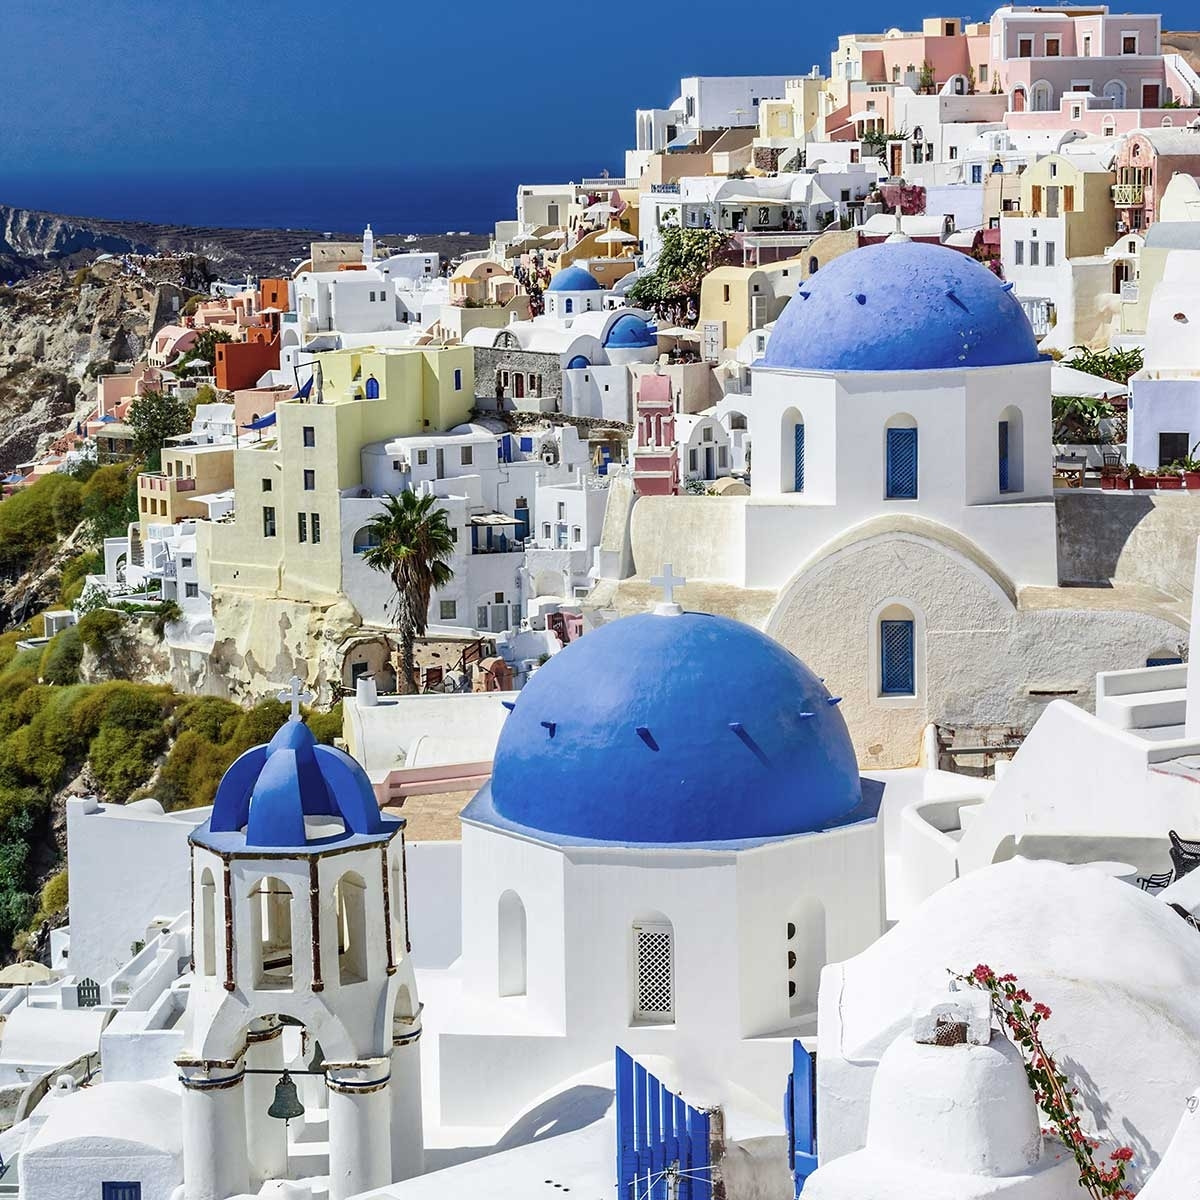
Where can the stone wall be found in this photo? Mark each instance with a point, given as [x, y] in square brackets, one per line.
[489, 360]
[1146, 538]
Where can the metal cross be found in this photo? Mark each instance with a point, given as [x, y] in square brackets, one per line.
[668, 581]
[295, 697]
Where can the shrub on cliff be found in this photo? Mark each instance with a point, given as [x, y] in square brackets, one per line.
[74, 574]
[108, 502]
[33, 519]
[61, 658]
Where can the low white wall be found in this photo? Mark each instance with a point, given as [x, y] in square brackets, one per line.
[434, 902]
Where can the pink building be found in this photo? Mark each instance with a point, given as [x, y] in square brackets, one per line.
[1144, 167]
[656, 455]
[1096, 115]
[1040, 54]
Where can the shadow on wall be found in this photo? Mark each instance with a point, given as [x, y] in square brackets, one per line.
[1093, 531]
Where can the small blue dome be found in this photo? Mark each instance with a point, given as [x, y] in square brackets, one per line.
[688, 729]
[573, 279]
[268, 791]
[578, 363]
[901, 306]
[630, 332]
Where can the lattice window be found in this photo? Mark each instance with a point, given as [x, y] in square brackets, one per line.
[1003, 451]
[798, 480]
[897, 668]
[902, 464]
[653, 952]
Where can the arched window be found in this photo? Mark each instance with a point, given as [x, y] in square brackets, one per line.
[372, 388]
[653, 971]
[568, 305]
[1041, 96]
[1114, 90]
[1019, 99]
[805, 955]
[511, 945]
[792, 434]
[737, 421]
[208, 924]
[271, 934]
[897, 652]
[365, 539]
[1009, 451]
[813, 264]
[901, 452]
[1167, 122]
[350, 904]
[997, 167]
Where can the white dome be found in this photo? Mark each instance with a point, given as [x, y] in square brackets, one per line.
[961, 1109]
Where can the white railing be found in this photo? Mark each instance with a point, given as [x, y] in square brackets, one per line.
[1126, 194]
[1129, 293]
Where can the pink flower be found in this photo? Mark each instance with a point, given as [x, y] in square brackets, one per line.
[1122, 1154]
[1041, 1010]
[984, 974]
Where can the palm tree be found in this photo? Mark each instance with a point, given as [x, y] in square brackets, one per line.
[411, 541]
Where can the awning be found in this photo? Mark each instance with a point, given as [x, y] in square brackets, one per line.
[683, 140]
[493, 519]
[1069, 381]
[262, 422]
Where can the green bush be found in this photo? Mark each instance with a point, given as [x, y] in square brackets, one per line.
[101, 630]
[74, 575]
[33, 519]
[208, 716]
[193, 769]
[122, 761]
[108, 502]
[54, 894]
[326, 726]
[61, 658]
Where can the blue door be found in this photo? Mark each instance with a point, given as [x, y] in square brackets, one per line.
[902, 464]
[896, 663]
[372, 388]
[121, 1191]
[798, 460]
[1003, 452]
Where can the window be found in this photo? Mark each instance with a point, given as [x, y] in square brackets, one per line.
[725, 293]
[302, 526]
[1172, 447]
[983, 70]
[447, 610]
[120, 1191]
[693, 460]
[1018, 253]
[454, 533]
[654, 971]
[372, 388]
[481, 617]
[546, 530]
[499, 597]
[576, 534]
[1025, 47]
[314, 520]
[1052, 46]
[977, 173]
[1049, 254]
[511, 945]
[458, 379]
[350, 901]
[268, 522]
[372, 297]
[1034, 254]
[266, 485]
[310, 435]
[422, 458]
[568, 305]
[271, 934]
[310, 479]
[191, 590]
[185, 562]
[953, 153]
[1076, 111]
[1002, 454]
[467, 456]
[897, 668]
[562, 510]
[1087, 45]
[1129, 43]
[902, 463]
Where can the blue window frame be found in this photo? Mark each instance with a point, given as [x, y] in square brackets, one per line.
[901, 464]
[1002, 449]
[897, 667]
[372, 388]
[1164, 662]
[121, 1191]
[798, 459]
[976, 173]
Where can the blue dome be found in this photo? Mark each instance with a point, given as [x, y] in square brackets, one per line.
[268, 791]
[901, 306]
[573, 279]
[630, 332]
[578, 363]
[689, 729]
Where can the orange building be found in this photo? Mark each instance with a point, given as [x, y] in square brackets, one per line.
[242, 364]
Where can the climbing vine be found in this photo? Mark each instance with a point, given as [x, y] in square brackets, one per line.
[1022, 1019]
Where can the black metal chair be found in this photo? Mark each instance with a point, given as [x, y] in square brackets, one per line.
[1155, 883]
[1184, 854]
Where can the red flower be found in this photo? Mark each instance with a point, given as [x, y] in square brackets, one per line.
[1041, 1010]
[983, 973]
[1022, 995]
[1123, 1154]
[1008, 979]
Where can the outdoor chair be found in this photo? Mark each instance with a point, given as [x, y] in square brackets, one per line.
[1155, 883]
[1184, 854]
[1071, 467]
[1112, 460]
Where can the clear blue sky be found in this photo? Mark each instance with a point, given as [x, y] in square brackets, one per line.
[92, 86]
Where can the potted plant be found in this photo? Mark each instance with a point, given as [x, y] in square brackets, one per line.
[1138, 481]
[1191, 473]
[1170, 478]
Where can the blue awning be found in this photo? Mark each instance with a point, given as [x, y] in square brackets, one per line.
[262, 422]
[683, 140]
[305, 388]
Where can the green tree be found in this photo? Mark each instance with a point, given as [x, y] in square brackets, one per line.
[412, 544]
[1117, 365]
[204, 347]
[672, 290]
[1077, 418]
[154, 417]
[109, 501]
[34, 518]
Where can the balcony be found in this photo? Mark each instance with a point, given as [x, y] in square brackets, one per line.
[1129, 293]
[1128, 195]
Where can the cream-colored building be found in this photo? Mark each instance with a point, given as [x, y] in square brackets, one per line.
[739, 299]
[190, 475]
[285, 537]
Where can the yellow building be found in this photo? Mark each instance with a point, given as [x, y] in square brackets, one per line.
[189, 474]
[285, 537]
[744, 298]
[1077, 190]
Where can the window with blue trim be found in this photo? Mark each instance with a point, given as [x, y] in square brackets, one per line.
[120, 1191]
[1002, 452]
[897, 658]
[372, 388]
[798, 458]
[902, 464]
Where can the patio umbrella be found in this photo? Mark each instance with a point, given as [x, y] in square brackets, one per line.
[1067, 381]
[25, 973]
[612, 238]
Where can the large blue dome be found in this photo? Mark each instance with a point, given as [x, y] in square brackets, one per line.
[901, 306]
[293, 794]
[573, 279]
[630, 332]
[688, 729]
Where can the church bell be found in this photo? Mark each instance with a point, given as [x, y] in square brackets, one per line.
[286, 1104]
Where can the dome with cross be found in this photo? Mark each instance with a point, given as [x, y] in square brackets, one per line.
[293, 794]
[672, 728]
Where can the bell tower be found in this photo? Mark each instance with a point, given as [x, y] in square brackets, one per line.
[300, 965]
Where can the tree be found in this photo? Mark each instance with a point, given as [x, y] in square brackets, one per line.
[204, 347]
[672, 290]
[154, 417]
[411, 542]
[1077, 418]
[1117, 365]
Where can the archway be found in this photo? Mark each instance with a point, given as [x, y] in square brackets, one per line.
[1041, 96]
[271, 933]
[365, 539]
[208, 917]
[1018, 100]
[350, 904]
[511, 946]
[1114, 90]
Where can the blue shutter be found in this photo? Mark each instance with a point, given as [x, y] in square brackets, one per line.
[897, 673]
[798, 463]
[1003, 450]
[121, 1191]
[902, 464]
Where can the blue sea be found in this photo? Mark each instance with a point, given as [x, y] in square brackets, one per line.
[341, 200]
